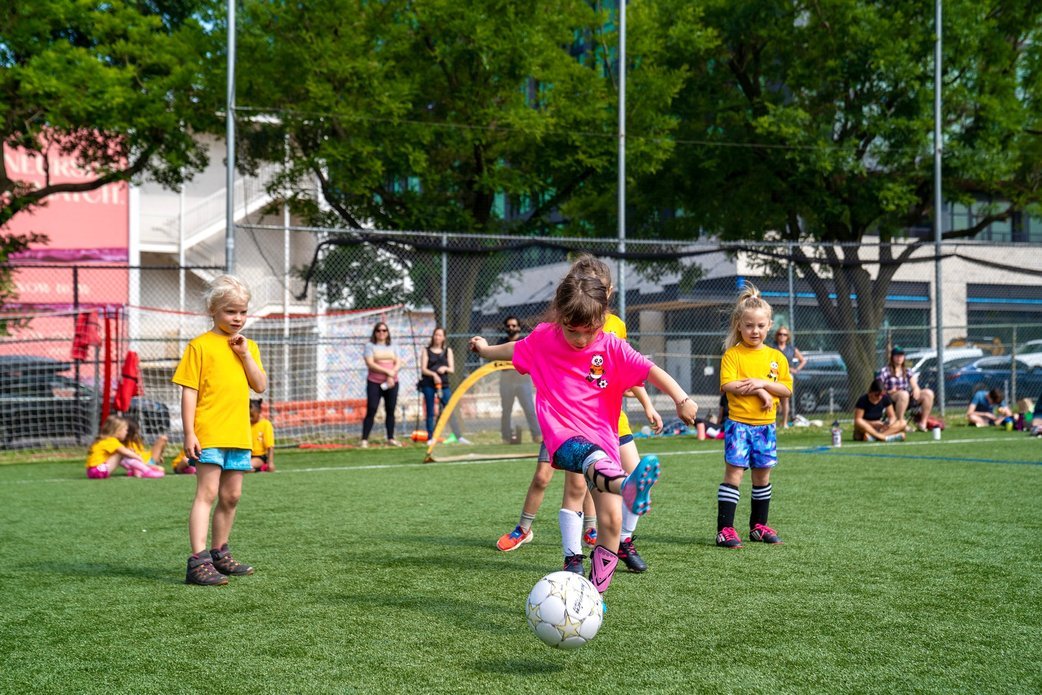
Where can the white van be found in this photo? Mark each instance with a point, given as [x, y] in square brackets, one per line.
[927, 359]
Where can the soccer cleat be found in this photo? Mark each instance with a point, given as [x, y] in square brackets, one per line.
[636, 488]
[762, 534]
[590, 537]
[515, 539]
[629, 556]
[224, 563]
[870, 437]
[202, 572]
[728, 538]
[899, 437]
[574, 563]
[463, 440]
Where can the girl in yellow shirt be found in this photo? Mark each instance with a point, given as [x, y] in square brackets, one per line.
[107, 451]
[754, 377]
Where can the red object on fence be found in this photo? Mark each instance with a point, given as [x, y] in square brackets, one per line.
[107, 383]
[129, 383]
[86, 334]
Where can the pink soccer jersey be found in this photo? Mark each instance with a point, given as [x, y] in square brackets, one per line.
[579, 392]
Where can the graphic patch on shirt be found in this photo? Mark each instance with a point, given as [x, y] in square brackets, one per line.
[596, 373]
[773, 375]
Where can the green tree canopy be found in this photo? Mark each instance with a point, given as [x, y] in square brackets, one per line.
[121, 85]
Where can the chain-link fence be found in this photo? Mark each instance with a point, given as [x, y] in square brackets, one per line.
[845, 306]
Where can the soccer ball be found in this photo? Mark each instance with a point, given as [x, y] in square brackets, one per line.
[564, 610]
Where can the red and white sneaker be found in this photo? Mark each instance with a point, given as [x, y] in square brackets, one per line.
[515, 539]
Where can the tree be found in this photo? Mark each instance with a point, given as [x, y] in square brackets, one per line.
[812, 122]
[119, 85]
[437, 115]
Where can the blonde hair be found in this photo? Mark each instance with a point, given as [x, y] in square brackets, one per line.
[109, 428]
[223, 290]
[748, 300]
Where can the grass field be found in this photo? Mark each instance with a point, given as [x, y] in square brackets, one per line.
[911, 567]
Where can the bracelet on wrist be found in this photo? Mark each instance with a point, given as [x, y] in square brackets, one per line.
[686, 399]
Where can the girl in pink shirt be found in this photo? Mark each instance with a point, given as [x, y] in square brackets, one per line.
[580, 374]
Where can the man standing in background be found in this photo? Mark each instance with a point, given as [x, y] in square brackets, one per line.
[516, 386]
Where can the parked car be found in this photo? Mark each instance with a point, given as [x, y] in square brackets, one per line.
[1031, 347]
[39, 401]
[924, 363]
[994, 372]
[823, 372]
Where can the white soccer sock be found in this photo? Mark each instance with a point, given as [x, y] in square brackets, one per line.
[629, 523]
[571, 524]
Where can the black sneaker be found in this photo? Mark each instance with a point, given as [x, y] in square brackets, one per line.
[202, 572]
[226, 564]
[628, 554]
[574, 563]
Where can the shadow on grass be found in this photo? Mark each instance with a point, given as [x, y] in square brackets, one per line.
[517, 667]
[102, 569]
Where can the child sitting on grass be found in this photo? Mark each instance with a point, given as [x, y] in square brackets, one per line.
[181, 464]
[107, 451]
[152, 458]
[262, 455]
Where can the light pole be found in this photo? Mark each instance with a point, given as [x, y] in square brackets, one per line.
[622, 160]
[229, 232]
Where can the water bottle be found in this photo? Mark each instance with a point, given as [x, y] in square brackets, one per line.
[936, 433]
[837, 434]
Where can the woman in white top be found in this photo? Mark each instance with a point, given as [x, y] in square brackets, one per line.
[383, 361]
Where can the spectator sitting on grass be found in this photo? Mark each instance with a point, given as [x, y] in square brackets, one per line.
[874, 418]
[988, 408]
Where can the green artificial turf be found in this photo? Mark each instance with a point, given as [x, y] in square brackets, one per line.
[910, 567]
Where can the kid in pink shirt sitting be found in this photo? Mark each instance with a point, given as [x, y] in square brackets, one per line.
[580, 374]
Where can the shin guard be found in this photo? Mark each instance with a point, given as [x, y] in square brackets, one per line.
[602, 567]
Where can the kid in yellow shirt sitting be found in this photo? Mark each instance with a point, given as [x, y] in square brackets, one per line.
[262, 455]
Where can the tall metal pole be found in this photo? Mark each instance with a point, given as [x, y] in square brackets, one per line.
[938, 205]
[792, 298]
[445, 281]
[229, 232]
[622, 159]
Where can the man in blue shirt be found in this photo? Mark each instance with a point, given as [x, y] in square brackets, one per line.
[989, 408]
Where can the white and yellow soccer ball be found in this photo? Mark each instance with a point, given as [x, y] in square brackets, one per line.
[564, 610]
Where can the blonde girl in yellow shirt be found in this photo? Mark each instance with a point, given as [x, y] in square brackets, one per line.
[753, 376]
[216, 373]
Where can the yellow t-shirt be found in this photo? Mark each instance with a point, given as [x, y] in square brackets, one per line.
[742, 362]
[222, 414]
[101, 450]
[140, 450]
[614, 325]
[263, 437]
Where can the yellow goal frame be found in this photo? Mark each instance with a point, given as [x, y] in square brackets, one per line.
[446, 413]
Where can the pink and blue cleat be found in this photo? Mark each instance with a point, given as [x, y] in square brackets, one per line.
[636, 488]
